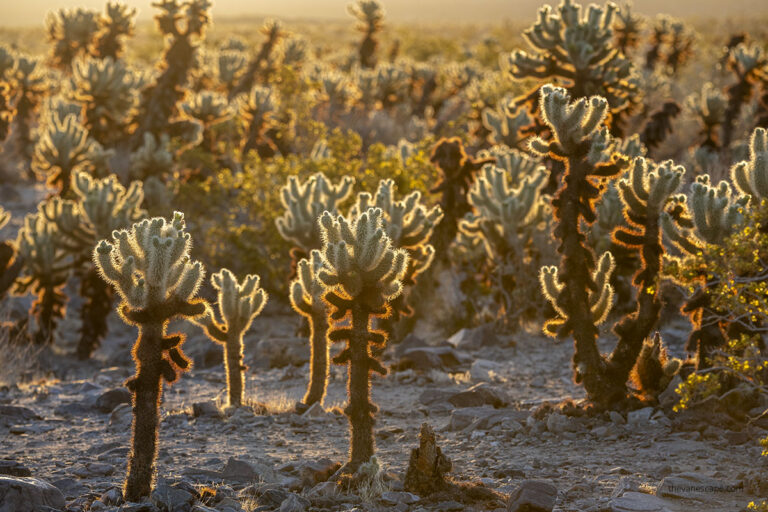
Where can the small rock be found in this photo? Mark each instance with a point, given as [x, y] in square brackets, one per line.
[482, 418]
[638, 502]
[393, 498]
[432, 358]
[11, 414]
[113, 496]
[207, 409]
[533, 496]
[640, 416]
[14, 468]
[431, 396]
[669, 397]
[450, 506]
[139, 507]
[107, 401]
[294, 503]
[692, 485]
[92, 469]
[121, 418]
[172, 499]
[471, 339]
[559, 423]
[247, 471]
[316, 471]
[484, 370]
[617, 418]
[26, 494]
[325, 489]
[479, 395]
[70, 487]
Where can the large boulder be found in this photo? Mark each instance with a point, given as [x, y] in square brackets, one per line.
[26, 494]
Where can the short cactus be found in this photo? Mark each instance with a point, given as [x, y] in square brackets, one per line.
[507, 126]
[150, 268]
[257, 112]
[115, 25]
[30, 84]
[230, 67]
[748, 63]
[654, 369]
[71, 33]
[751, 177]
[627, 28]
[307, 292]
[709, 107]
[580, 291]
[239, 304]
[362, 273]
[274, 33]
[209, 109]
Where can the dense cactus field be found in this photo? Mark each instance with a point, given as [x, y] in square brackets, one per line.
[363, 266]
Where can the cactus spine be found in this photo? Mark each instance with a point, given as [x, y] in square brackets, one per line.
[362, 273]
[584, 296]
[239, 304]
[149, 265]
[306, 296]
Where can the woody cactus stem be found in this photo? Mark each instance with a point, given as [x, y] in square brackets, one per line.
[644, 193]
[362, 273]
[10, 261]
[588, 154]
[149, 266]
[307, 299]
[239, 304]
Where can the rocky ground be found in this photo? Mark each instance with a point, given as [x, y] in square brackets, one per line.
[64, 438]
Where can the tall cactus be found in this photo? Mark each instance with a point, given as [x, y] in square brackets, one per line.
[304, 203]
[584, 296]
[150, 267]
[239, 304]
[115, 25]
[307, 292]
[362, 273]
[713, 214]
[10, 261]
[370, 15]
[257, 113]
[748, 63]
[71, 32]
[274, 33]
[750, 177]
[30, 84]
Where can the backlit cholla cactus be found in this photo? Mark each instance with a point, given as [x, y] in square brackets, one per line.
[307, 298]
[7, 108]
[409, 225]
[257, 112]
[295, 51]
[304, 203]
[627, 28]
[750, 177]
[230, 66]
[391, 85]
[259, 65]
[100, 207]
[150, 267]
[152, 159]
[106, 89]
[644, 191]
[71, 32]
[10, 261]
[183, 24]
[711, 216]
[362, 274]
[507, 125]
[30, 84]
[576, 48]
[46, 270]
[370, 15]
[115, 26]
[709, 107]
[509, 211]
[209, 109]
[336, 94]
[239, 303]
[63, 148]
[749, 64]
[579, 290]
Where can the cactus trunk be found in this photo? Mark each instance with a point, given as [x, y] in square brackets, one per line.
[147, 391]
[360, 409]
[98, 303]
[318, 365]
[235, 368]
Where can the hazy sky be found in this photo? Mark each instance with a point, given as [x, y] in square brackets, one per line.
[31, 12]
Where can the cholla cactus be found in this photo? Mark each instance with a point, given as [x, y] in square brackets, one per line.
[748, 63]
[307, 292]
[115, 25]
[509, 213]
[362, 273]
[153, 158]
[644, 192]
[184, 26]
[714, 214]
[654, 369]
[46, 270]
[257, 113]
[391, 85]
[507, 125]
[304, 203]
[577, 49]
[209, 109]
[369, 14]
[583, 298]
[273, 31]
[517, 164]
[709, 107]
[239, 304]
[627, 28]
[64, 147]
[30, 85]
[107, 91]
[295, 51]
[7, 110]
[751, 177]
[680, 47]
[659, 124]
[71, 32]
[10, 261]
[337, 92]
[150, 267]
[230, 67]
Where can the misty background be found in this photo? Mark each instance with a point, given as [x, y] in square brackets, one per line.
[32, 12]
